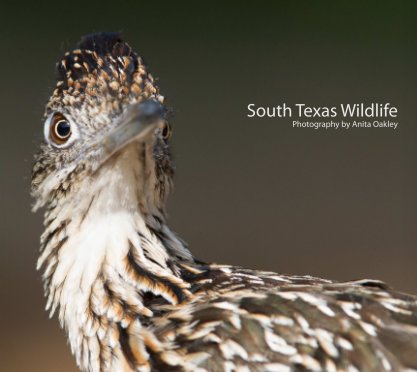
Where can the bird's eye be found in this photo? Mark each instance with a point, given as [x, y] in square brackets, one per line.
[166, 132]
[60, 129]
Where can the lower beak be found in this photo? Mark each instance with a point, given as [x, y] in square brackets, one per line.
[138, 122]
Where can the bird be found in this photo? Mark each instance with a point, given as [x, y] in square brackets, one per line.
[127, 290]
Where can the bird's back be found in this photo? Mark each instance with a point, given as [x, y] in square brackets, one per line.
[244, 320]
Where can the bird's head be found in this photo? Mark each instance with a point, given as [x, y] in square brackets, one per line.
[105, 114]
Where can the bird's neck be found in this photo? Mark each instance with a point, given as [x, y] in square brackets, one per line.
[104, 253]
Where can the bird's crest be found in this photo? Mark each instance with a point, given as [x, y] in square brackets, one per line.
[102, 64]
[106, 43]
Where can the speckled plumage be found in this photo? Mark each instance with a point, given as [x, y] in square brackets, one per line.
[128, 291]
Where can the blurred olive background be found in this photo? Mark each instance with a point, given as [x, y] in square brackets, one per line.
[252, 192]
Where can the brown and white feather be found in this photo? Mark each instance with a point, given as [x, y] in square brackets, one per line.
[129, 293]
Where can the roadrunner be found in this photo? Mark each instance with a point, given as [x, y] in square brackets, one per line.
[127, 290]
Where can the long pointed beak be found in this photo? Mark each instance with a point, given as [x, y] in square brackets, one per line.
[139, 121]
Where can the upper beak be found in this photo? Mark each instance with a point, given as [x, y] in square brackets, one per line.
[139, 121]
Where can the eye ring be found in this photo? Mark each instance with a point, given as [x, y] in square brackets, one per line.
[59, 131]
[166, 132]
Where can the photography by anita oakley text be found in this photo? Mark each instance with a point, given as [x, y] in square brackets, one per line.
[357, 115]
